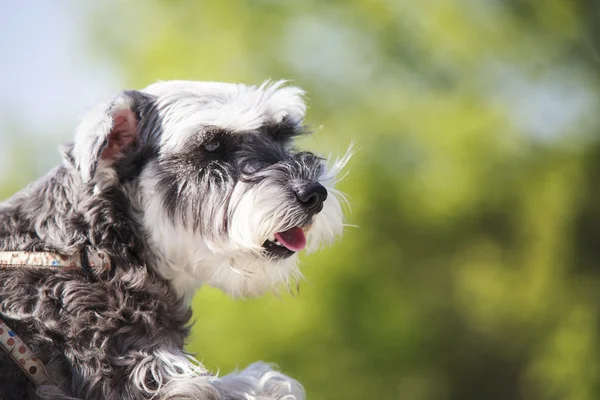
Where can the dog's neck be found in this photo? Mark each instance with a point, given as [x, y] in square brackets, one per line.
[58, 213]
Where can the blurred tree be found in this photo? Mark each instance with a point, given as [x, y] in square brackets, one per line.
[473, 272]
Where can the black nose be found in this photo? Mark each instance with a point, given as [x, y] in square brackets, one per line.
[312, 196]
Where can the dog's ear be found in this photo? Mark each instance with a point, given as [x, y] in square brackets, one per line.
[107, 133]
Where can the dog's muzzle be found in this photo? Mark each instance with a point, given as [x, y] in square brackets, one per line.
[311, 197]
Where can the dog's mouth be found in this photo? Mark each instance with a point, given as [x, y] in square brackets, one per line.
[286, 243]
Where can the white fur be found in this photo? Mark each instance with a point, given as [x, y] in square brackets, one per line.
[187, 107]
[329, 223]
[180, 376]
[176, 374]
[260, 382]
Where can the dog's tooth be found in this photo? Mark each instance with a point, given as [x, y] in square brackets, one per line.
[272, 238]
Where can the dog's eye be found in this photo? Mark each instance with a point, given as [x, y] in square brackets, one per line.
[213, 146]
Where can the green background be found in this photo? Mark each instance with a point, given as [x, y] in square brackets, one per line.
[472, 272]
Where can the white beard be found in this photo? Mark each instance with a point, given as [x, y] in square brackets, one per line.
[237, 265]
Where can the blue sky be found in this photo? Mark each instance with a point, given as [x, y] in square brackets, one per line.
[47, 77]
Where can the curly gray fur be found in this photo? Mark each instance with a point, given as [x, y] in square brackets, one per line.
[91, 330]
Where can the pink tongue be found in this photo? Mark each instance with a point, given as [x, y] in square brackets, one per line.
[293, 239]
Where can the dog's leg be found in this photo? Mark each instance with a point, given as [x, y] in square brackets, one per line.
[171, 374]
[259, 382]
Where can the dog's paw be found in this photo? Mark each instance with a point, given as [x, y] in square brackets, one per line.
[260, 382]
[273, 384]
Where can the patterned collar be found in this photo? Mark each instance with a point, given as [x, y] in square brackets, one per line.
[85, 260]
[14, 346]
[22, 355]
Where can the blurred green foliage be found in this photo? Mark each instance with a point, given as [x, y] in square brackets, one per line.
[473, 271]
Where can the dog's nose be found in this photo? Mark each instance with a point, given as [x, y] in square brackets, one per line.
[312, 196]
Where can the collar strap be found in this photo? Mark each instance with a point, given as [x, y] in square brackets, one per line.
[40, 259]
[16, 348]
[22, 355]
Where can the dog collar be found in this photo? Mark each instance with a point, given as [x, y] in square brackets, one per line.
[34, 259]
[10, 342]
[22, 355]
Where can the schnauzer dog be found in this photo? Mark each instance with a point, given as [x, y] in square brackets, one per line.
[161, 191]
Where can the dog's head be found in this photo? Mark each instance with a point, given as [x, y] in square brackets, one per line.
[222, 193]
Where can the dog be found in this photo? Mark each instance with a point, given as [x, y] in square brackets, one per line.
[162, 190]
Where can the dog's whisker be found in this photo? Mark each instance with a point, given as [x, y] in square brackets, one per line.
[244, 273]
